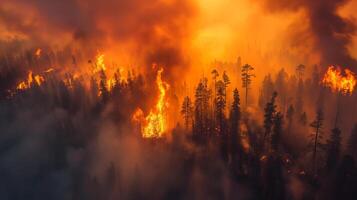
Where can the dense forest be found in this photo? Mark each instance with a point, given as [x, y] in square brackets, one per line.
[69, 135]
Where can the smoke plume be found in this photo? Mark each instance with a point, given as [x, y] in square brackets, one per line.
[330, 32]
[148, 32]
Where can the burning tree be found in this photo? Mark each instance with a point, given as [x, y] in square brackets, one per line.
[342, 83]
[155, 123]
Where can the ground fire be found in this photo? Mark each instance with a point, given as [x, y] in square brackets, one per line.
[178, 99]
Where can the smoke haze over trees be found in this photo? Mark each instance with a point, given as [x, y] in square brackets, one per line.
[82, 81]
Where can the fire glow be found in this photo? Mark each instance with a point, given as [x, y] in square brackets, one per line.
[31, 80]
[337, 81]
[155, 123]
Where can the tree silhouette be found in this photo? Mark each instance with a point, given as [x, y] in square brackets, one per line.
[220, 106]
[202, 96]
[317, 126]
[247, 75]
[220, 128]
[270, 111]
[187, 111]
[266, 90]
[235, 139]
[281, 88]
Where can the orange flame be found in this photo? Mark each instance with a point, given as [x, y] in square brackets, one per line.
[334, 79]
[38, 52]
[155, 123]
[31, 79]
[99, 64]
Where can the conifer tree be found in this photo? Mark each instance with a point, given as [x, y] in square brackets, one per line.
[235, 139]
[187, 111]
[247, 75]
[317, 126]
[270, 111]
[266, 90]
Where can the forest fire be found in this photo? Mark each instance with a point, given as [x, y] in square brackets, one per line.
[339, 82]
[99, 64]
[31, 80]
[178, 99]
[154, 124]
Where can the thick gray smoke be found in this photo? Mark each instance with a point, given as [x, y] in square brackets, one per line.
[330, 32]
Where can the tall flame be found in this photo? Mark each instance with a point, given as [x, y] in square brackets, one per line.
[155, 122]
[99, 64]
[343, 83]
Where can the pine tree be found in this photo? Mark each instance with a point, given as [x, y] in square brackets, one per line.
[270, 111]
[266, 90]
[281, 87]
[202, 96]
[247, 75]
[221, 119]
[187, 111]
[220, 106]
[317, 126]
[226, 82]
[215, 75]
[235, 140]
[235, 113]
[333, 148]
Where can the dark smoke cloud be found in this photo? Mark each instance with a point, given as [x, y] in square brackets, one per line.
[150, 31]
[331, 33]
